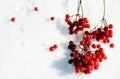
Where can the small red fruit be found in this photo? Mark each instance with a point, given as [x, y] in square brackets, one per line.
[77, 70]
[81, 69]
[86, 20]
[55, 46]
[82, 43]
[52, 18]
[70, 42]
[93, 46]
[36, 9]
[111, 45]
[98, 46]
[86, 49]
[13, 19]
[110, 26]
[81, 28]
[67, 15]
[51, 49]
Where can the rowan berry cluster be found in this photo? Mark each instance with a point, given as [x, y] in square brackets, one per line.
[85, 60]
[76, 26]
[103, 34]
[85, 55]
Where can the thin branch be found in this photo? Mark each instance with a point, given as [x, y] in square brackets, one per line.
[78, 9]
[104, 11]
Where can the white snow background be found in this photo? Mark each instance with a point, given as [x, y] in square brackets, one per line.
[24, 44]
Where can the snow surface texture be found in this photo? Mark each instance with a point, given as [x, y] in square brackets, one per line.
[24, 44]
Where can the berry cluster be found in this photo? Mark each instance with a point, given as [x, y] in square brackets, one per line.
[103, 34]
[76, 26]
[85, 55]
[86, 61]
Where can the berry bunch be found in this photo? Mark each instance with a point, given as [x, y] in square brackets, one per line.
[87, 62]
[76, 26]
[103, 33]
[86, 56]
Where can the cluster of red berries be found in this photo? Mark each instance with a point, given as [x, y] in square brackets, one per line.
[86, 61]
[76, 26]
[85, 55]
[52, 48]
[103, 34]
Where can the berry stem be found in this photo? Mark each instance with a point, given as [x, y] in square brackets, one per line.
[81, 48]
[104, 9]
[103, 22]
[78, 9]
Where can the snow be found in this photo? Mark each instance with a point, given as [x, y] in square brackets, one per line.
[24, 44]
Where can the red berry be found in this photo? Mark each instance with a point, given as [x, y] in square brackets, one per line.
[112, 45]
[104, 41]
[67, 20]
[99, 57]
[81, 28]
[81, 69]
[72, 54]
[85, 61]
[98, 46]
[76, 32]
[87, 37]
[87, 57]
[93, 46]
[90, 55]
[96, 61]
[52, 18]
[86, 49]
[77, 70]
[82, 43]
[86, 32]
[51, 49]
[104, 57]
[70, 42]
[110, 26]
[88, 72]
[84, 24]
[55, 46]
[91, 62]
[89, 67]
[13, 19]
[70, 61]
[67, 15]
[81, 55]
[96, 66]
[76, 55]
[93, 56]
[87, 26]
[36, 9]
[86, 20]
[105, 28]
